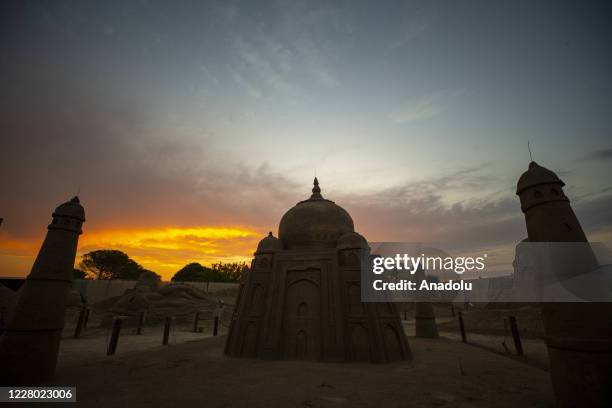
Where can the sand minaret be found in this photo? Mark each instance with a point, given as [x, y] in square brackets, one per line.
[577, 334]
[30, 344]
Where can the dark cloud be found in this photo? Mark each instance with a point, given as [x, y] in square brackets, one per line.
[129, 173]
[426, 218]
[600, 155]
[417, 212]
[595, 212]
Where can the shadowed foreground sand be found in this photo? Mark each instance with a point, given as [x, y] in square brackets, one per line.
[443, 373]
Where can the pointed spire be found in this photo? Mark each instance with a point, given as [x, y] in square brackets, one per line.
[529, 148]
[316, 190]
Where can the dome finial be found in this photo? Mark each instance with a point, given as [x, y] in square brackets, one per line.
[536, 175]
[316, 190]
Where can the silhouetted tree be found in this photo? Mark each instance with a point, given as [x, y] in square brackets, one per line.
[193, 272]
[110, 264]
[230, 272]
[220, 272]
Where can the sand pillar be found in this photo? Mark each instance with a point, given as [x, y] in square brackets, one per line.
[30, 344]
[425, 319]
[578, 335]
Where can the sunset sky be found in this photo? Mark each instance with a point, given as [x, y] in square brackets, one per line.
[189, 128]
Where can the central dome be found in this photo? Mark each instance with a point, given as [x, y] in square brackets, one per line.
[315, 222]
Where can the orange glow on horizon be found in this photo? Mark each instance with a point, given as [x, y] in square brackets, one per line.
[161, 249]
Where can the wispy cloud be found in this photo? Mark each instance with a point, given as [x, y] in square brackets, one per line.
[315, 62]
[423, 107]
[245, 85]
[409, 31]
[209, 75]
[277, 64]
[270, 62]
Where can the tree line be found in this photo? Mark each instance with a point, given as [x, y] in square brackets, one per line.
[115, 264]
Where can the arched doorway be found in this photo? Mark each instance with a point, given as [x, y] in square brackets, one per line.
[302, 320]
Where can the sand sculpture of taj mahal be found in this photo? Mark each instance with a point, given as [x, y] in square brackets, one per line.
[301, 298]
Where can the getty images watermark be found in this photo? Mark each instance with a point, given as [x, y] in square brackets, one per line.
[533, 272]
[413, 264]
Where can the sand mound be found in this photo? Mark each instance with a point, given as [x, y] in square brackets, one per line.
[176, 300]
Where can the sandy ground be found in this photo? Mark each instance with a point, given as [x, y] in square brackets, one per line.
[491, 321]
[92, 345]
[193, 371]
[196, 373]
[535, 352]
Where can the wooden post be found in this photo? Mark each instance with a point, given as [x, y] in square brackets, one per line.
[462, 327]
[405, 315]
[80, 323]
[112, 345]
[452, 310]
[2, 311]
[167, 331]
[217, 314]
[87, 313]
[216, 326]
[141, 319]
[515, 335]
[196, 320]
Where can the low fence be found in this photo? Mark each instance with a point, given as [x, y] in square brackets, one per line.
[513, 332]
[137, 332]
[213, 287]
[97, 290]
